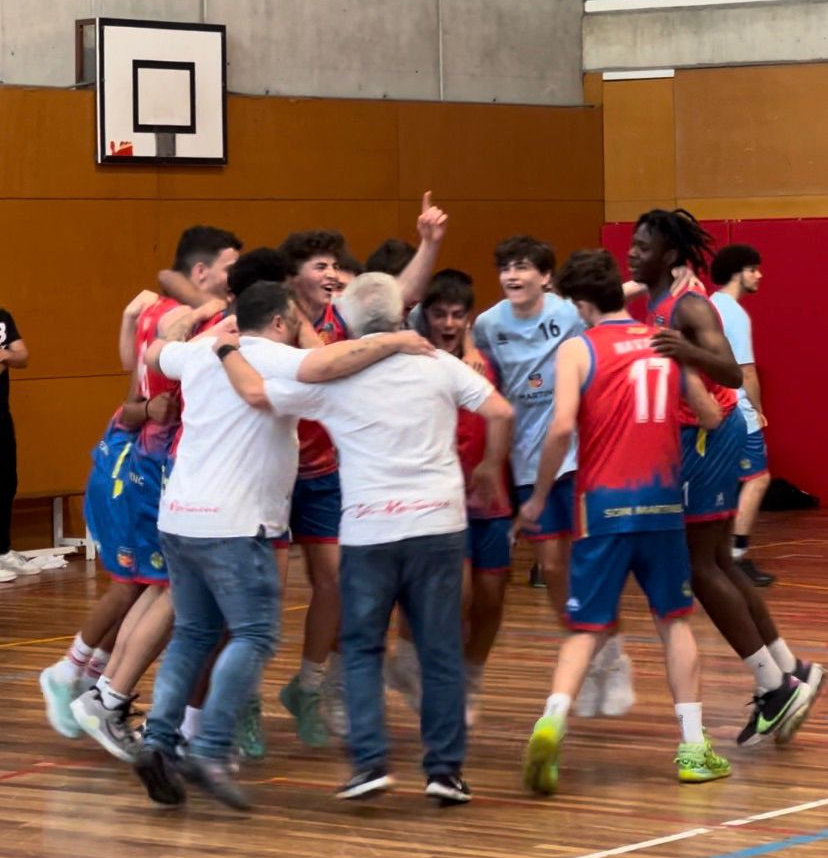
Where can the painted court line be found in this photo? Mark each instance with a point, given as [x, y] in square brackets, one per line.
[646, 844]
[776, 846]
[772, 814]
[748, 852]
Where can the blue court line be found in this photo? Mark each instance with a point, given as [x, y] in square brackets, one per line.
[776, 846]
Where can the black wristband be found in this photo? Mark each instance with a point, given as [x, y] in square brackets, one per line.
[225, 350]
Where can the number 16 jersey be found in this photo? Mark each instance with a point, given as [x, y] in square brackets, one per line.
[523, 353]
[629, 461]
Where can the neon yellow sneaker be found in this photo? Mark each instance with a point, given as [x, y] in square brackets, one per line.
[540, 763]
[698, 763]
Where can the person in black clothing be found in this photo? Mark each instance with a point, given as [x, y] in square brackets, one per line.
[13, 354]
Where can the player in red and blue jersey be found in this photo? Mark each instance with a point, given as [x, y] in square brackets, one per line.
[667, 247]
[204, 254]
[623, 399]
[313, 697]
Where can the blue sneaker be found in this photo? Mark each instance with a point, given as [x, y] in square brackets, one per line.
[59, 696]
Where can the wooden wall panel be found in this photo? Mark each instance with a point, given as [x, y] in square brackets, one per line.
[476, 227]
[47, 150]
[58, 422]
[70, 267]
[260, 222]
[639, 141]
[299, 149]
[756, 131]
[500, 152]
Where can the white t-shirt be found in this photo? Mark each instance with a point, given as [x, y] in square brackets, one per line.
[236, 465]
[394, 426]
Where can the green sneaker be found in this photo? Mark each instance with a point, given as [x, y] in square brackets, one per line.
[540, 763]
[698, 763]
[249, 735]
[305, 706]
[58, 697]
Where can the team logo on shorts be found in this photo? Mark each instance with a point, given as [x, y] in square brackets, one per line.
[720, 499]
[157, 560]
[744, 464]
[535, 380]
[126, 559]
[573, 605]
[686, 590]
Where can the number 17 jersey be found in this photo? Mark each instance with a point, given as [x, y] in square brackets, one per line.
[629, 460]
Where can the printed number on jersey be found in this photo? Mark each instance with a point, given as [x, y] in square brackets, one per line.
[549, 330]
[650, 406]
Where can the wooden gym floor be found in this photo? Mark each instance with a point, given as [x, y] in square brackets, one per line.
[617, 796]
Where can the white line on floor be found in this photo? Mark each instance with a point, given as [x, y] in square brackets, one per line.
[646, 844]
[771, 814]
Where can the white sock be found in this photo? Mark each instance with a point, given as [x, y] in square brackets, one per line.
[112, 699]
[738, 553]
[474, 678]
[690, 720]
[103, 683]
[311, 675]
[609, 653]
[766, 671]
[191, 723]
[97, 663]
[557, 704]
[71, 666]
[782, 656]
[406, 653]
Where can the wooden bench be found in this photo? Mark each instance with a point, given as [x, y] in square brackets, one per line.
[61, 544]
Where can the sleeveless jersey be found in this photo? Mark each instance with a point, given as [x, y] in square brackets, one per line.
[629, 458]
[523, 352]
[471, 447]
[661, 315]
[153, 439]
[317, 455]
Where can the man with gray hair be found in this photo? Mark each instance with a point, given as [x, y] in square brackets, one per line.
[403, 528]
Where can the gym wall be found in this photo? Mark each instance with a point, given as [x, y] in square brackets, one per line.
[81, 240]
[743, 148]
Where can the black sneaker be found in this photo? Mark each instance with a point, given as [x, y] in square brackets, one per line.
[757, 576]
[213, 776]
[535, 577]
[775, 711]
[158, 775]
[448, 789]
[366, 783]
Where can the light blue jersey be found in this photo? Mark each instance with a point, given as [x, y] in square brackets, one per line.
[523, 352]
[737, 329]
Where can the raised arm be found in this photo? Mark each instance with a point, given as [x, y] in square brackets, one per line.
[178, 324]
[699, 342]
[129, 321]
[415, 277]
[178, 286]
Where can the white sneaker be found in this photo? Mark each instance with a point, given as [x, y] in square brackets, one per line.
[7, 575]
[589, 699]
[13, 562]
[619, 696]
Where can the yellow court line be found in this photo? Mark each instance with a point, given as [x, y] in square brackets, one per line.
[33, 641]
[803, 586]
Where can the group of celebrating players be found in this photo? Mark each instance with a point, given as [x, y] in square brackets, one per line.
[627, 443]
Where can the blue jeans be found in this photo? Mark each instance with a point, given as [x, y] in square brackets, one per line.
[425, 575]
[215, 583]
